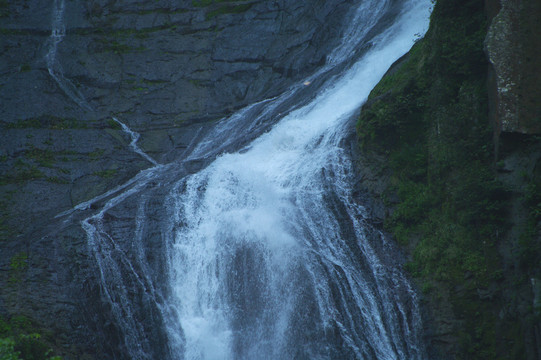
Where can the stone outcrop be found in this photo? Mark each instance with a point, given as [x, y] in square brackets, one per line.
[513, 49]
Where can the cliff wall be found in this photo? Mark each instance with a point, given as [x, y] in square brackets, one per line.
[450, 156]
[166, 69]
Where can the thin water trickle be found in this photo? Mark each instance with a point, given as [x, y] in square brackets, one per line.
[58, 32]
[133, 143]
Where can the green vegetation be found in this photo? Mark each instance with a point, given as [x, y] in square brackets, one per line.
[4, 8]
[228, 9]
[222, 7]
[57, 180]
[18, 262]
[161, 11]
[43, 157]
[117, 47]
[115, 42]
[123, 34]
[22, 32]
[33, 162]
[47, 122]
[21, 172]
[7, 349]
[195, 82]
[98, 153]
[204, 3]
[429, 118]
[121, 41]
[20, 341]
[17, 265]
[6, 231]
[106, 174]
[24, 171]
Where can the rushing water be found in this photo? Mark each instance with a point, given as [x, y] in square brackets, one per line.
[265, 254]
[272, 258]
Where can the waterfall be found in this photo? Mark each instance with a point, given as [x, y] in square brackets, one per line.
[272, 259]
[261, 252]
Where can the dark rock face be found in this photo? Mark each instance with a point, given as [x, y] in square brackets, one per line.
[513, 50]
[165, 68]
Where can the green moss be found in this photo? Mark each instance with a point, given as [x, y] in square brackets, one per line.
[4, 8]
[222, 7]
[161, 11]
[47, 122]
[154, 82]
[19, 261]
[57, 180]
[106, 174]
[429, 119]
[20, 173]
[19, 32]
[5, 230]
[120, 41]
[195, 82]
[118, 47]
[7, 349]
[17, 265]
[43, 157]
[98, 153]
[113, 125]
[20, 339]
[31, 164]
[205, 3]
[228, 9]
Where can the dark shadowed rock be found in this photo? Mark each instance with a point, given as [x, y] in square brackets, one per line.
[513, 49]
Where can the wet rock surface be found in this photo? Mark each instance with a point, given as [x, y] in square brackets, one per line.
[168, 70]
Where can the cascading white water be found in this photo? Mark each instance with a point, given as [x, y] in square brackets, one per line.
[271, 258]
[267, 254]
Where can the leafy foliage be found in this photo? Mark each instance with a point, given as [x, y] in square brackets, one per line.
[429, 118]
[19, 341]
